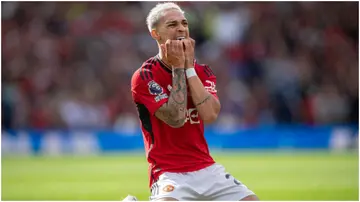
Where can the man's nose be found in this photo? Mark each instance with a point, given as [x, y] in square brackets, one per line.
[181, 28]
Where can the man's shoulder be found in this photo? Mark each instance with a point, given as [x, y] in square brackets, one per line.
[150, 62]
[203, 69]
[145, 72]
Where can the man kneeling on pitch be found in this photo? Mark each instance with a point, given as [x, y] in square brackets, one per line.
[175, 96]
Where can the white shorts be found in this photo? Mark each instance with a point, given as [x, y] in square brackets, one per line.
[210, 183]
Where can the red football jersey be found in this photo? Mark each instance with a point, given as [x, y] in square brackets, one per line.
[170, 149]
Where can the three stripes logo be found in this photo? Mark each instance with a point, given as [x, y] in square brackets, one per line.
[155, 189]
[208, 71]
[145, 70]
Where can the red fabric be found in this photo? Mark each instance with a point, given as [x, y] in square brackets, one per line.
[170, 149]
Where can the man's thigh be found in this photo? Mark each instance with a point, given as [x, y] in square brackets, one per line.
[224, 187]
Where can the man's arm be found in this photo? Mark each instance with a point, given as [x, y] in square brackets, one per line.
[174, 111]
[206, 104]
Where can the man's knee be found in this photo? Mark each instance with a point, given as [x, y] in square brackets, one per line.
[167, 199]
[250, 198]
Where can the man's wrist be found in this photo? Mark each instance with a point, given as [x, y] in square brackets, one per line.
[178, 71]
[190, 72]
[189, 64]
[178, 68]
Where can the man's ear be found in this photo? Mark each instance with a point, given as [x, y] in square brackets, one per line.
[155, 35]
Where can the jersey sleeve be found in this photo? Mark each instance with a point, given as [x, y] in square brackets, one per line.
[148, 92]
[208, 79]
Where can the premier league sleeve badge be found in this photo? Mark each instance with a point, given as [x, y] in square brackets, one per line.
[157, 90]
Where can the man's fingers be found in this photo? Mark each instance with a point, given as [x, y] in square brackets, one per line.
[176, 45]
[180, 45]
[163, 49]
[192, 41]
[187, 44]
[168, 46]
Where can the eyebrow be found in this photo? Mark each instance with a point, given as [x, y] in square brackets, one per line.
[174, 21]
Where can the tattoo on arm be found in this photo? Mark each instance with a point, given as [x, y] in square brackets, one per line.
[202, 102]
[174, 111]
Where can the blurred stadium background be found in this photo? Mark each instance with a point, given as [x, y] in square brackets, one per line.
[287, 79]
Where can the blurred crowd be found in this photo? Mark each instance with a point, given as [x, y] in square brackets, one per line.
[69, 64]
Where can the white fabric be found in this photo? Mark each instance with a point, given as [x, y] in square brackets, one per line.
[190, 72]
[211, 183]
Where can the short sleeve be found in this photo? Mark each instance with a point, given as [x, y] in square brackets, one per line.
[149, 93]
[208, 79]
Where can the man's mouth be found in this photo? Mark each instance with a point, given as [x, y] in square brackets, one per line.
[180, 38]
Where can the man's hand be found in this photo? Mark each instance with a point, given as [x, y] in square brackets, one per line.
[189, 49]
[173, 51]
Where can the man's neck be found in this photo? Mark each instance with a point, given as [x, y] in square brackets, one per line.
[164, 61]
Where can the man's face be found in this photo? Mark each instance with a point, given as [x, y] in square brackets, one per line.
[172, 25]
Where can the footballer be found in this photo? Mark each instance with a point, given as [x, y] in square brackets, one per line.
[175, 96]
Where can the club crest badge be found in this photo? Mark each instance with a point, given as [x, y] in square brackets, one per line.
[168, 188]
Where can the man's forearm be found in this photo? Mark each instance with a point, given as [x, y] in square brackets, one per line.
[174, 111]
[178, 96]
[206, 104]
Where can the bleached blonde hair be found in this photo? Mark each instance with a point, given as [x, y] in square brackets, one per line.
[158, 11]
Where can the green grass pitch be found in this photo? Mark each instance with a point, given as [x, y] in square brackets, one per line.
[271, 175]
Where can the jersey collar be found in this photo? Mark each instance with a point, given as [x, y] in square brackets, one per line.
[163, 65]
